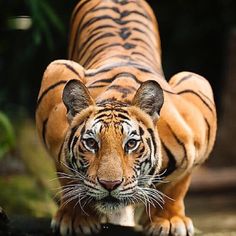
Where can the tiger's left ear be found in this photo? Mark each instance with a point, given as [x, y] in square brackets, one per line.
[76, 97]
[149, 98]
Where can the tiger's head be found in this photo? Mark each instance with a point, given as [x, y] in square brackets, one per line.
[112, 149]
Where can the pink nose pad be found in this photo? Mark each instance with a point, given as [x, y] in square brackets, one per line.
[110, 185]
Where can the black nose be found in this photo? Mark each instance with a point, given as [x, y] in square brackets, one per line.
[109, 185]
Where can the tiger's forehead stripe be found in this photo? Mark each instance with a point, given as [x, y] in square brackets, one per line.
[111, 117]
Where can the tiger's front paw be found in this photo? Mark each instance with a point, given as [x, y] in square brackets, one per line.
[175, 226]
[70, 221]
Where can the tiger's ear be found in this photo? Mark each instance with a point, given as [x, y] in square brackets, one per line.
[76, 97]
[149, 98]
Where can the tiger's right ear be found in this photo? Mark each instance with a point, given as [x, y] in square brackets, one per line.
[76, 97]
[149, 98]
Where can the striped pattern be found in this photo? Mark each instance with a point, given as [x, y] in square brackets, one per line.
[114, 48]
[99, 28]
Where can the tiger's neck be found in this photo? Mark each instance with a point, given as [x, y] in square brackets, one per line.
[115, 31]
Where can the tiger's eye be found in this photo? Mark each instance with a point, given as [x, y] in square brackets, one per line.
[131, 144]
[91, 143]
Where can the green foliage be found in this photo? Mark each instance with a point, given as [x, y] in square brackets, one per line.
[24, 54]
[7, 135]
[44, 18]
[20, 194]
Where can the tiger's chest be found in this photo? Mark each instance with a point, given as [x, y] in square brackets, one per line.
[124, 217]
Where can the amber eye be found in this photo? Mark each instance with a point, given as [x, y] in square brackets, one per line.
[91, 143]
[131, 144]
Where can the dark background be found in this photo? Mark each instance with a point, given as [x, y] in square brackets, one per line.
[194, 37]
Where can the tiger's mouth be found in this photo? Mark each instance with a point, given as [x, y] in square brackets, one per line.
[110, 200]
[109, 204]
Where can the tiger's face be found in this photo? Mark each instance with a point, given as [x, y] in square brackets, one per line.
[111, 151]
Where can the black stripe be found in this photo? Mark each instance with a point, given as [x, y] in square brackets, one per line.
[141, 131]
[95, 86]
[124, 90]
[213, 104]
[129, 46]
[126, 13]
[146, 60]
[188, 77]
[70, 68]
[178, 141]
[153, 140]
[74, 142]
[196, 94]
[44, 131]
[183, 79]
[94, 54]
[100, 48]
[60, 151]
[145, 70]
[81, 151]
[143, 32]
[99, 118]
[125, 32]
[85, 46]
[118, 109]
[120, 64]
[148, 140]
[150, 48]
[170, 92]
[121, 110]
[149, 51]
[114, 9]
[92, 21]
[118, 21]
[91, 74]
[117, 56]
[49, 89]
[208, 129]
[73, 131]
[101, 27]
[80, 22]
[122, 74]
[153, 170]
[123, 117]
[78, 9]
[171, 167]
[103, 110]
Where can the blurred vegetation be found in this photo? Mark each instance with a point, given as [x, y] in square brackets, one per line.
[31, 190]
[24, 54]
[7, 138]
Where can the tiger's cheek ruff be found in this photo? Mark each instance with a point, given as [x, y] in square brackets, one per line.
[149, 159]
[73, 157]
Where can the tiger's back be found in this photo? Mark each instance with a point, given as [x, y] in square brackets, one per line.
[114, 48]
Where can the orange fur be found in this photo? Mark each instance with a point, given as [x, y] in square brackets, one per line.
[112, 62]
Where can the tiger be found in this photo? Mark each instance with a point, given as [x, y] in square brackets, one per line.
[121, 135]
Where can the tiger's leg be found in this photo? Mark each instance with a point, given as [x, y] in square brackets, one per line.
[74, 217]
[171, 220]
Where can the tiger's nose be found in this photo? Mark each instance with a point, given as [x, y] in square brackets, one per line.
[110, 185]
